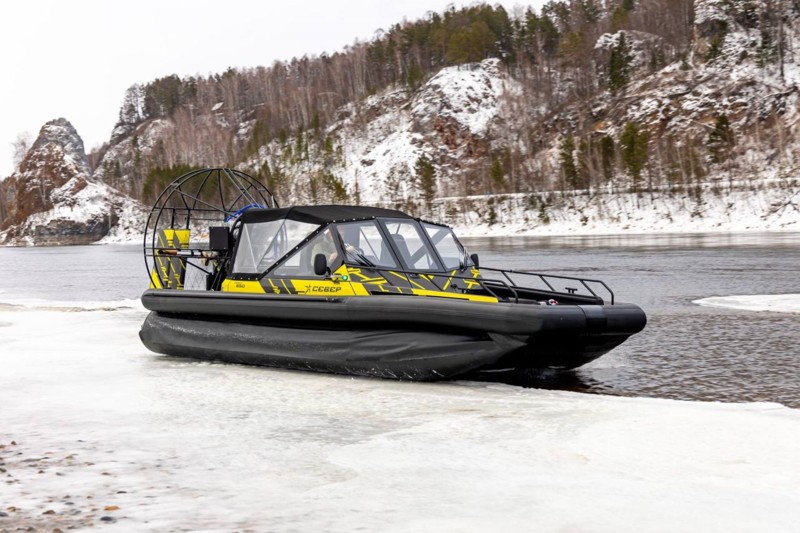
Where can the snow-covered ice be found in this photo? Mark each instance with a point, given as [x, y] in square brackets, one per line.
[777, 303]
[105, 430]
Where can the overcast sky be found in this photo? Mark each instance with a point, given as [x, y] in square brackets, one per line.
[75, 59]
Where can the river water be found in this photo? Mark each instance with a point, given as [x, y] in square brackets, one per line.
[97, 432]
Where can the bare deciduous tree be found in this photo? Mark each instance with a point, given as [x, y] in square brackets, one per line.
[20, 147]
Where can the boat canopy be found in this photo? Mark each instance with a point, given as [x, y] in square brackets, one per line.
[285, 241]
[320, 214]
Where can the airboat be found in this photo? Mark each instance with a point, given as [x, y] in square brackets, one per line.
[354, 290]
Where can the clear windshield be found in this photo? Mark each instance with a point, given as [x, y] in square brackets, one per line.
[413, 250]
[365, 245]
[262, 244]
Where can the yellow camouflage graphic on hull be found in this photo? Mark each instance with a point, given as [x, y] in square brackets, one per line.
[356, 282]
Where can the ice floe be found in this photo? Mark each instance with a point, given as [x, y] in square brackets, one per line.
[777, 303]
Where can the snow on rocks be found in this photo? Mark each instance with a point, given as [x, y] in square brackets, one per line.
[82, 212]
[467, 94]
[441, 122]
[710, 10]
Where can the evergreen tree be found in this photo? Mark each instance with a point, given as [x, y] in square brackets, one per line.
[335, 187]
[590, 10]
[584, 163]
[414, 77]
[298, 150]
[746, 14]
[619, 19]
[496, 172]
[315, 123]
[472, 44]
[767, 48]
[720, 139]
[607, 156]
[158, 178]
[619, 65]
[566, 155]
[132, 110]
[717, 41]
[425, 180]
[633, 145]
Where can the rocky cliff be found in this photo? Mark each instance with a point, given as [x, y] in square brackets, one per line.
[52, 200]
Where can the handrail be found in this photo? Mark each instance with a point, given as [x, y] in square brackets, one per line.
[543, 278]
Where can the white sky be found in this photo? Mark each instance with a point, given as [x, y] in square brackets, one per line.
[76, 59]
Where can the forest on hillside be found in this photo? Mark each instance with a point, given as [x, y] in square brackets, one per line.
[553, 55]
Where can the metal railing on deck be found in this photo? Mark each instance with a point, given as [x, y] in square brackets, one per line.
[545, 277]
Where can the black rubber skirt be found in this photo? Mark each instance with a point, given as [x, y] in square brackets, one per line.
[386, 353]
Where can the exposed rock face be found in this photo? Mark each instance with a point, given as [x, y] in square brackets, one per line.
[458, 106]
[51, 200]
[55, 158]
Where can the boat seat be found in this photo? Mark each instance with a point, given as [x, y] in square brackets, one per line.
[402, 248]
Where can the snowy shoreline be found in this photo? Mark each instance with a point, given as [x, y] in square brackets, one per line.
[767, 207]
[97, 430]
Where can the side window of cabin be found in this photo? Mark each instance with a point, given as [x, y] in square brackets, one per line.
[410, 245]
[365, 245]
[258, 243]
[262, 244]
[301, 263]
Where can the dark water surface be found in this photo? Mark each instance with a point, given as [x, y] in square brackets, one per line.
[686, 351]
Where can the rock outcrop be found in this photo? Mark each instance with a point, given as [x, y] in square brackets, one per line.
[51, 199]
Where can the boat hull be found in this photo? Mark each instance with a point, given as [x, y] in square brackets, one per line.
[411, 338]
